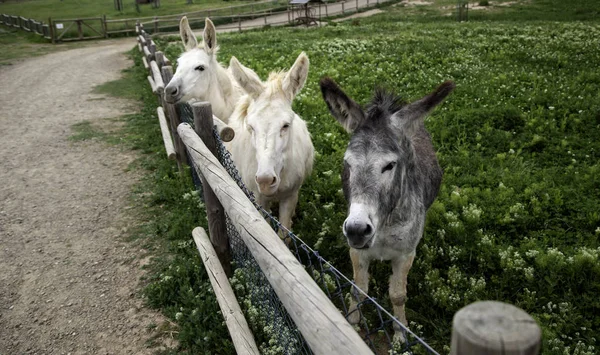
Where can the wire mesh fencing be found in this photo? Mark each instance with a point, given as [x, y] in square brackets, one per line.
[273, 327]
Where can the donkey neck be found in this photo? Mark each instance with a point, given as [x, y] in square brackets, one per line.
[223, 93]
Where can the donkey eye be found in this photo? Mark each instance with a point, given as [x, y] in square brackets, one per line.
[200, 68]
[286, 126]
[388, 167]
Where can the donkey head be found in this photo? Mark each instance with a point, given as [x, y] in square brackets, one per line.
[196, 67]
[268, 117]
[379, 154]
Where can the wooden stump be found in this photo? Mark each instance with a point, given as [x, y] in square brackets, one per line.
[494, 328]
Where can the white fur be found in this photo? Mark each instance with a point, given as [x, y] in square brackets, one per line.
[214, 84]
[263, 145]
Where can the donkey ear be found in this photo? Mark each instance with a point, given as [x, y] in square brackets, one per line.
[296, 77]
[209, 36]
[410, 115]
[187, 36]
[344, 109]
[246, 78]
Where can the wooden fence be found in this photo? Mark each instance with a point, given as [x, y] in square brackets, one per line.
[27, 24]
[487, 327]
[240, 17]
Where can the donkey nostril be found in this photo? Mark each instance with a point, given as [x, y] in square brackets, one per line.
[171, 90]
[368, 230]
[274, 180]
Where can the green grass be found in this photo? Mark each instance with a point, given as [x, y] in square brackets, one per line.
[517, 216]
[41, 10]
[18, 45]
[85, 130]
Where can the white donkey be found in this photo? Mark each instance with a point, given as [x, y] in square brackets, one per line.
[272, 147]
[200, 76]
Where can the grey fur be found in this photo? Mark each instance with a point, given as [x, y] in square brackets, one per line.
[391, 225]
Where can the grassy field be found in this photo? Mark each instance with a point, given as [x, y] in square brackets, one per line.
[41, 10]
[517, 218]
[23, 45]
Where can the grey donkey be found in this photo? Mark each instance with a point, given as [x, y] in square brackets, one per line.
[391, 176]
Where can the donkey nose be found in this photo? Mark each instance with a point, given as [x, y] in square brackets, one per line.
[357, 229]
[171, 90]
[266, 182]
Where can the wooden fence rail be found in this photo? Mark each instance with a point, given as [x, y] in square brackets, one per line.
[26, 24]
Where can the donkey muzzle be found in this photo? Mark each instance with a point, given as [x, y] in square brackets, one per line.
[172, 94]
[358, 227]
[267, 183]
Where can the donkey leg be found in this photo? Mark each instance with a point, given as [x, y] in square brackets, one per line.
[287, 207]
[400, 269]
[360, 268]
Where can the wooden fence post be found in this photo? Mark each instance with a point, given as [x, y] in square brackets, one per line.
[217, 229]
[343, 2]
[494, 328]
[174, 120]
[104, 26]
[160, 60]
[51, 30]
[152, 48]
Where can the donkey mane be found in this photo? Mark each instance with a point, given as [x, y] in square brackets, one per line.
[384, 104]
[273, 86]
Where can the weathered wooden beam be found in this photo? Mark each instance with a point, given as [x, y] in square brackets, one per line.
[174, 121]
[166, 135]
[146, 65]
[494, 328]
[203, 122]
[320, 322]
[142, 40]
[160, 85]
[152, 84]
[147, 53]
[140, 47]
[241, 335]
[225, 132]
[152, 48]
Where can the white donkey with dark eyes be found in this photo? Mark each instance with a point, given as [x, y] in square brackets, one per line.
[272, 146]
[200, 76]
[390, 178]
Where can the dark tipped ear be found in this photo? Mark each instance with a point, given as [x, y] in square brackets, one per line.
[347, 112]
[408, 117]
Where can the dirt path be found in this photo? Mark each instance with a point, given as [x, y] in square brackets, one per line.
[67, 283]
